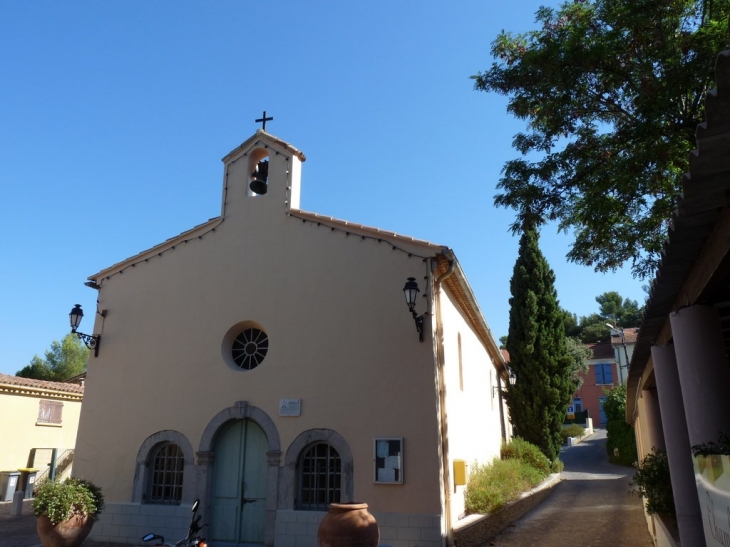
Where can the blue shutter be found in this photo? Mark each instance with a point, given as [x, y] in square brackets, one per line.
[607, 374]
[604, 374]
[599, 373]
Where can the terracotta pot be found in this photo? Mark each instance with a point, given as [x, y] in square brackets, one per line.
[69, 533]
[348, 525]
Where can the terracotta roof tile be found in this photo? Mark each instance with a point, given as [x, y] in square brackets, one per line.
[630, 335]
[601, 350]
[40, 384]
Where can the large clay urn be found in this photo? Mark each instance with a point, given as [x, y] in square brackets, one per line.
[69, 533]
[348, 525]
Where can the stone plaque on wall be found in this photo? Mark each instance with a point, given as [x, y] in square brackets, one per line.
[290, 407]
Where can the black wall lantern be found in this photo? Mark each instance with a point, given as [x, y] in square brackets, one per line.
[91, 342]
[512, 381]
[411, 291]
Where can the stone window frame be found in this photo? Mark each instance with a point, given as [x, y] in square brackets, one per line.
[288, 487]
[331, 473]
[144, 468]
[166, 475]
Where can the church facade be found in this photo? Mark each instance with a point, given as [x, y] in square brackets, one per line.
[266, 363]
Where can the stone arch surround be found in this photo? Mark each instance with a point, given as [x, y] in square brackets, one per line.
[241, 410]
[288, 482]
[142, 470]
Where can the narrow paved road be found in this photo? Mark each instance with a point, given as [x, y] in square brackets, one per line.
[591, 507]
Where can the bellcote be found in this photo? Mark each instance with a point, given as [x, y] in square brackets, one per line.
[263, 173]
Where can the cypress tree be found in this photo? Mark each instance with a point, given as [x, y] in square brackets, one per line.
[538, 353]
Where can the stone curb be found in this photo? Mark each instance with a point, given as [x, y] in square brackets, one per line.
[475, 530]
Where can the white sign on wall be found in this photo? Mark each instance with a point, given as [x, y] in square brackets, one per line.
[290, 407]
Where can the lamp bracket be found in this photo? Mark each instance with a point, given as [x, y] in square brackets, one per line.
[90, 341]
[419, 324]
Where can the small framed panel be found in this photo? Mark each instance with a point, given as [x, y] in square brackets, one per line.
[388, 458]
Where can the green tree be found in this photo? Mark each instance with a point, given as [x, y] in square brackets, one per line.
[613, 309]
[570, 320]
[64, 360]
[592, 332]
[612, 92]
[620, 312]
[537, 347]
[579, 357]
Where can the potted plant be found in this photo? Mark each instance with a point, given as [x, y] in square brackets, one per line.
[653, 483]
[66, 511]
[712, 475]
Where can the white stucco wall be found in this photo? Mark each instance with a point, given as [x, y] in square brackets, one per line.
[472, 406]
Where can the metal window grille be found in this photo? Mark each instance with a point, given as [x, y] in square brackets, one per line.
[50, 412]
[249, 348]
[167, 475]
[320, 477]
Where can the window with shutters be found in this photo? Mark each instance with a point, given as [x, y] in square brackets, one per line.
[50, 412]
[604, 374]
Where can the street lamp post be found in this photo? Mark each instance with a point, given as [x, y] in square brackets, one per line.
[626, 351]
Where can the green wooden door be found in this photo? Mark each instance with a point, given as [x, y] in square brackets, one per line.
[240, 472]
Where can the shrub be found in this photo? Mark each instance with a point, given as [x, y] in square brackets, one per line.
[60, 501]
[653, 483]
[573, 430]
[621, 441]
[722, 446]
[520, 449]
[557, 465]
[492, 486]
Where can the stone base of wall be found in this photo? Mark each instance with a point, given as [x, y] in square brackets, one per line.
[476, 530]
[128, 522]
[299, 529]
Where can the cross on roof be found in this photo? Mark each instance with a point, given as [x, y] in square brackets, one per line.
[263, 120]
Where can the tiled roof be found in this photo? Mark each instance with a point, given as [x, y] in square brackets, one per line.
[505, 354]
[6, 379]
[630, 335]
[601, 350]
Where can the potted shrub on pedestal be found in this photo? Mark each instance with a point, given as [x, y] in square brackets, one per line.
[66, 511]
[712, 475]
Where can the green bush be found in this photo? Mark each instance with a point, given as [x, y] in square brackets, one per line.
[654, 484]
[573, 430]
[722, 446]
[621, 441]
[491, 487]
[520, 449]
[557, 465]
[60, 501]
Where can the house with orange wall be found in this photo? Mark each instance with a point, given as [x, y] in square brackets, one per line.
[602, 374]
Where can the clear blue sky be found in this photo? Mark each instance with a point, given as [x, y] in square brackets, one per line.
[114, 117]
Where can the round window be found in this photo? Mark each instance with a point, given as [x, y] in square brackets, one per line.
[250, 348]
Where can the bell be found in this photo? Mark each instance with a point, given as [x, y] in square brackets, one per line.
[260, 177]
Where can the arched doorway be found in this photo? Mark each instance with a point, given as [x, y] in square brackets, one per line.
[239, 486]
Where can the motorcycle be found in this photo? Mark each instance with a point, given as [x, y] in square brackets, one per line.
[191, 540]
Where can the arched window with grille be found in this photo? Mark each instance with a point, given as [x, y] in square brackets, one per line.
[320, 477]
[166, 474]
